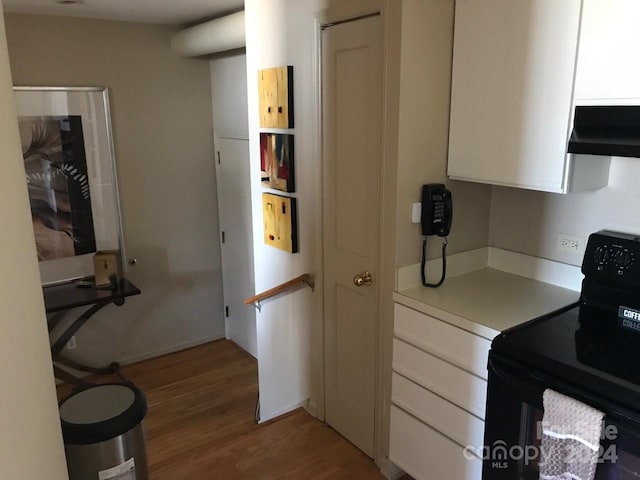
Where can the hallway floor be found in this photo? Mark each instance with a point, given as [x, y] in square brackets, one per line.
[200, 424]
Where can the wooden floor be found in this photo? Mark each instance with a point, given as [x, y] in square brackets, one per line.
[200, 424]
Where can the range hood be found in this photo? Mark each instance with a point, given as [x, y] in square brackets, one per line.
[606, 130]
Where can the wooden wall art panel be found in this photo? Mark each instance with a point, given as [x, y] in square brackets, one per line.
[277, 162]
[280, 219]
[275, 93]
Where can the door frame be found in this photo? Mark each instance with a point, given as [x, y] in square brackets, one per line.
[391, 15]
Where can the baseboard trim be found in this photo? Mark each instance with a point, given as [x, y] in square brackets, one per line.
[312, 408]
[389, 470]
[167, 350]
[154, 354]
[282, 412]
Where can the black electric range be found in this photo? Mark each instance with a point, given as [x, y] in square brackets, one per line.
[589, 351]
[592, 354]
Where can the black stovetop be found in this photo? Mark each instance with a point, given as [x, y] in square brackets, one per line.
[581, 346]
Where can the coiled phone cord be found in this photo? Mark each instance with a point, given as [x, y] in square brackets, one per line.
[424, 262]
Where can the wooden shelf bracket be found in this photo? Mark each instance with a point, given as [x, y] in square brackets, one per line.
[291, 285]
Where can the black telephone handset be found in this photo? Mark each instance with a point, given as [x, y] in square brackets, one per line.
[437, 213]
[437, 210]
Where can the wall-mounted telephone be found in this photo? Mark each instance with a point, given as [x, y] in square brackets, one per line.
[437, 213]
[437, 210]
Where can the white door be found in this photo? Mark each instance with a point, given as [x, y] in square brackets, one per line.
[234, 205]
[352, 106]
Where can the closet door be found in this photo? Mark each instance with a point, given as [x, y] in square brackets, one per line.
[231, 140]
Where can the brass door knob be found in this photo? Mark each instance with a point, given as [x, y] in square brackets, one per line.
[363, 278]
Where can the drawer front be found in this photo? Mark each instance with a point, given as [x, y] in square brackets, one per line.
[455, 345]
[457, 424]
[452, 383]
[426, 454]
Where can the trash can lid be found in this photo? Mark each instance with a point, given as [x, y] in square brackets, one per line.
[101, 412]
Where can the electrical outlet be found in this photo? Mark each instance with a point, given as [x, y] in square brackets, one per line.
[570, 244]
[71, 344]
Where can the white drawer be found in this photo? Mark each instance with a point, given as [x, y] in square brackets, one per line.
[454, 384]
[455, 345]
[426, 454]
[457, 424]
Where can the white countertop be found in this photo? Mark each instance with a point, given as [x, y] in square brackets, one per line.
[487, 301]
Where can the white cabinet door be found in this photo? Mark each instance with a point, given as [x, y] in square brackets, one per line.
[511, 100]
[607, 58]
[435, 411]
[426, 454]
[452, 383]
[450, 343]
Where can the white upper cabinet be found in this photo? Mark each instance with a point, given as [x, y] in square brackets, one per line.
[514, 65]
[608, 66]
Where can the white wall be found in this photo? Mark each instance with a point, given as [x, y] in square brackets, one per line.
[161, 113]
[425, 85]
[529, 222]
[30, 442]
[280, 32]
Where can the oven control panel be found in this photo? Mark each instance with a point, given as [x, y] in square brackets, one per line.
[612, 257]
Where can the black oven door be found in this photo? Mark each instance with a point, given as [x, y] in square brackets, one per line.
[511, 448]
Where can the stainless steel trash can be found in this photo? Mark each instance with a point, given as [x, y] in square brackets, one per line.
[103, 433]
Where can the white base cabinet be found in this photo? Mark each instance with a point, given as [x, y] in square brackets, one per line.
[442, 378]
[442, 415]
[425, 454]
[438, 397]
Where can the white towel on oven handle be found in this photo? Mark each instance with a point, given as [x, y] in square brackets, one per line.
[571, 434]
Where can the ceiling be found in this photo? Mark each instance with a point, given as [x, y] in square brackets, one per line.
[172, 12]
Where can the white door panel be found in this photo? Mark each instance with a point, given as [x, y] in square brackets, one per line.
[352, 86]
[234, 204]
